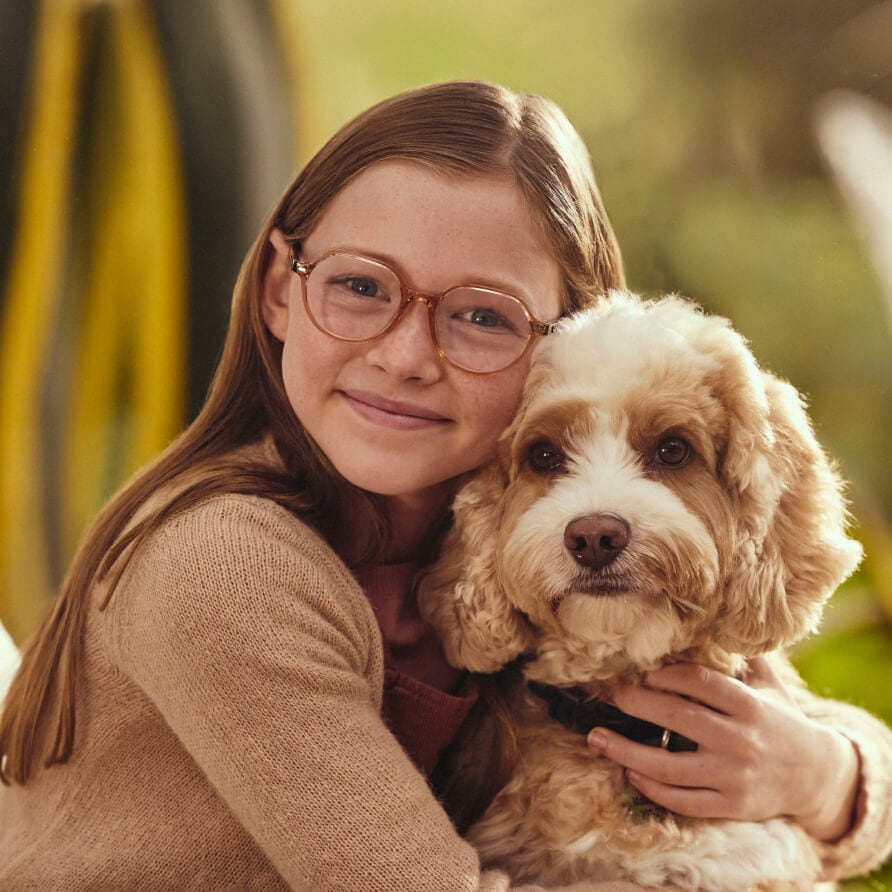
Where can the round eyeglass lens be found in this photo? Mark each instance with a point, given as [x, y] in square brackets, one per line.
[352, 297]
[482, 330]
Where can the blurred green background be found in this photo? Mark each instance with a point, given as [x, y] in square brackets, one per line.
[144, 140]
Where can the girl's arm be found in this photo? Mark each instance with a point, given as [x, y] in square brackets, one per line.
[867, 841]
[767, 747]
[262, 656]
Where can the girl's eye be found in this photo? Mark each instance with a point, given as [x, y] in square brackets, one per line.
[545, 457]
[362, 286]
[485, 318]
[673, 452]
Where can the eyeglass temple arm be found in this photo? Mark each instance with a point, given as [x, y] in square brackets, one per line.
[296, 265]
[546, 328]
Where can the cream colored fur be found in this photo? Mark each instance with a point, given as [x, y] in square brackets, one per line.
[731, 555]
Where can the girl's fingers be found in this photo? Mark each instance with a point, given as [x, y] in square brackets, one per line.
[694, 720]
[672, 769]
[713, 689]
[757, 756]
[680, 782]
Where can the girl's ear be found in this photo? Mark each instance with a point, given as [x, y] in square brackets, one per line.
[277, 286]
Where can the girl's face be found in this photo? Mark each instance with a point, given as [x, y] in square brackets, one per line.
[392, 415]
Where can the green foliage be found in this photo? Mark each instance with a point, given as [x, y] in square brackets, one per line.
[854, 665]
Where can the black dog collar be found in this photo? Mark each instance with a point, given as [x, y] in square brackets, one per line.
[573, 708]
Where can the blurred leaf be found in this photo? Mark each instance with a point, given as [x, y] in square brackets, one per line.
[854, 666]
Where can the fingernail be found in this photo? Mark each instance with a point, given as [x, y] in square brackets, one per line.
[633, 776]
[597, 740]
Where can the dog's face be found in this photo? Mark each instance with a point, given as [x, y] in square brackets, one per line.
[657, 495]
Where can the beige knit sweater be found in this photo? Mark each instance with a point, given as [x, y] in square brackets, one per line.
[229, 734]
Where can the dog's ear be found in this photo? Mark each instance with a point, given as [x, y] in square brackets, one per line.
[791, 549]
[460, 596]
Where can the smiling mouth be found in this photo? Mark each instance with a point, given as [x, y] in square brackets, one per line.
[375, 407]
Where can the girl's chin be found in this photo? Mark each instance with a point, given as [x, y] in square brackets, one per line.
[407, 491]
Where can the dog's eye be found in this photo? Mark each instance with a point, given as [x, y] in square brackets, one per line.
[545, 457]
[673, 452]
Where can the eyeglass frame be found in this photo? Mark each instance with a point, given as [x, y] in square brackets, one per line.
[407, 297]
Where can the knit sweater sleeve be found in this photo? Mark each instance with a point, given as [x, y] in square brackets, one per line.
[263, 658]
[869, 842]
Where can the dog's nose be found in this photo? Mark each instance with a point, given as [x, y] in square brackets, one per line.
[596, 540]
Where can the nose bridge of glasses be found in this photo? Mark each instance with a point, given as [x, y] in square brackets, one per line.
[428, 298]
[429, 301]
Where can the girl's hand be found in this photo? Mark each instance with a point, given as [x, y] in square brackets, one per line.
[759, 755]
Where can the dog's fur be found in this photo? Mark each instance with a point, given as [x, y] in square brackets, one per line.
[730, 554]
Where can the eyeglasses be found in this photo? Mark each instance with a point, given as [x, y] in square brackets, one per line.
[356, 299]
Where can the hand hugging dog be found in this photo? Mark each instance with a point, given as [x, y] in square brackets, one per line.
[659, 498]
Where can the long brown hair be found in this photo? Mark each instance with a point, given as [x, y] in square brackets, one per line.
[469, 128]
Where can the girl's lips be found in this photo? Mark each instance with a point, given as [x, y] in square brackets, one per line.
[404, 416]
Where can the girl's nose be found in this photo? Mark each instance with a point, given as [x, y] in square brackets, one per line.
[408, 350]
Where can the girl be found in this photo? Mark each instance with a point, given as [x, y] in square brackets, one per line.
[234, 688]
